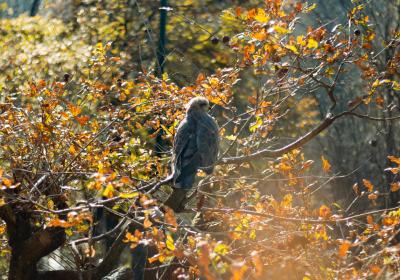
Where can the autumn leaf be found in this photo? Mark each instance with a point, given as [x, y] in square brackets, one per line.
[281, 30]
[109, 191]
[394, 159]
[368, 185]
[75, 111]
[326, 167]
[170, 243]
[324, 212]
[287, 200]
[82, 120]
[394, 187]
[301, 41]
[129, 195]
[312, 44]
[261, 16]
[375, 269]
[72, 149]
[343, 248]
[238, 270]
[147, 223]
[372, 196]
[310, 8]
[292, 48]
[6, 182]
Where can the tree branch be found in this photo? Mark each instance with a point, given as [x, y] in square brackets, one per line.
[328, 121]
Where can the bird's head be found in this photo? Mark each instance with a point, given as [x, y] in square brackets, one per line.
[198, 104]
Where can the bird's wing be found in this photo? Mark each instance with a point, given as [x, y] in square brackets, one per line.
[207, 136]
[182, 137]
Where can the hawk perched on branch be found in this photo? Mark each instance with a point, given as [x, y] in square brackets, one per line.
[195, 148]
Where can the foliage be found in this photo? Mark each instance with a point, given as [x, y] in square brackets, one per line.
[79, 126]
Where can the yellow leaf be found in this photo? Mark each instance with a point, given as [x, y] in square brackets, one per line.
[300, 40]
[170, 243]
[72, 149]
[261, 16]
[50, 204]
[312, 44]
[253, 127]
[129, 195]
[109, 191]
[231, 137]
[292, 48]
[310, 8]
[287, 200]
[325, 164]
[281, 30]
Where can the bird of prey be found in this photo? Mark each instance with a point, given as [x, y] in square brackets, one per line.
[196, 146]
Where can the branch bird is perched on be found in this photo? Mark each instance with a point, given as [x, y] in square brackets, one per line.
[196, 146]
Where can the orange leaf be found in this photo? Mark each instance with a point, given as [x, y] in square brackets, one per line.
[394, 187]
[343, 248]
[368, 185]
[324, 212]
[170, 217]
[370, 220]
[394, 159]
[375, 269]
[147, 223]
[82, 120]
[325, 164]
[74, 109]
[6, 182]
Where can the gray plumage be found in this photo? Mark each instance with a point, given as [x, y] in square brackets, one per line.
[196, 144]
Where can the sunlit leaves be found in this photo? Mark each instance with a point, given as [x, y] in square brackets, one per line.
[368, 185]
[324, 212]
[292, 48]
[74, 219]
[344, 248]
[326, 166]
[109, 191]
[260, 16]
[312, 44]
